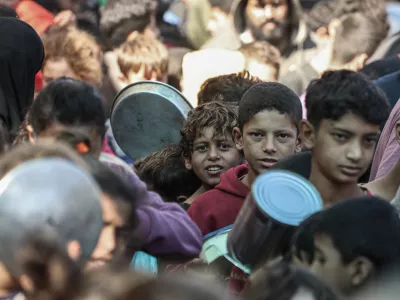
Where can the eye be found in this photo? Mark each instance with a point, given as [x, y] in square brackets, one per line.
[224, 146]
[339, 137]
[321, 259]
[255, 134]
[283, 136]
[201, 148]
[370, 141]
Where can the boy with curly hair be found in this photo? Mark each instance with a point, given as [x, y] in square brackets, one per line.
[207, 143]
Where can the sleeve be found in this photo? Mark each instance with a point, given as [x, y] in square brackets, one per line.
[201, 215]
[165, 228]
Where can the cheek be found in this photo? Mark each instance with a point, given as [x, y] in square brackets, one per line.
[253, 15]
[197, 162]
[281, 13]
[232, 157]
[286, 149]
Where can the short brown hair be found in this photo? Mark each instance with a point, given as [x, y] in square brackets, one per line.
[264, 53]
[223, 117]
[143, 51]
[79, 48]
[226, 88]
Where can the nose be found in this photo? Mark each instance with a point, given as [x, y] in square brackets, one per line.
[213, 154]
[108, 240]
[354, 152]
[269, 144]
[268, 12]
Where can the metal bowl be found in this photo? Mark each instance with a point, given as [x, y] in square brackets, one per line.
[147, 116]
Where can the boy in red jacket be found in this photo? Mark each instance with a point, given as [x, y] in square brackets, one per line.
[269, 114]
[207, 143]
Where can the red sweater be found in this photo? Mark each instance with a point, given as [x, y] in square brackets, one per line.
[220, 206]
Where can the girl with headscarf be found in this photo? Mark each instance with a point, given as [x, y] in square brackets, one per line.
[384, 178]
[21, 57]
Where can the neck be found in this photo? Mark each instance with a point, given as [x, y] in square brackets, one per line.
[319, 62]
[196, 194]
[332, 192]
[249, 178]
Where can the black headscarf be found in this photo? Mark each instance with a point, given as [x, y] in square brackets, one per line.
[21, 57]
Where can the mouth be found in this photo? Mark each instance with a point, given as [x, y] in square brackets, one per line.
[268, 162]
[214, 169]
[97, 263]
[270, 25]
[350, 170]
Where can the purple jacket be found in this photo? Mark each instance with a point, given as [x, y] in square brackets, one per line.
[164, 228]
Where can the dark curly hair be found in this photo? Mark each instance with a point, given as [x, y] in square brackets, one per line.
[226, 88]
[165, 173]
[222, 117]
[269, 96]
[337, 93]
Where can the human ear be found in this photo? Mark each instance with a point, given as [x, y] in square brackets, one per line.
[360, 270]
[398, 131]
[188, 164]
[358, 62]
[333, 25]
[238, 138]
[299, 145]
[74, 250]
[30, 133]
[307, 134]
[322, 32]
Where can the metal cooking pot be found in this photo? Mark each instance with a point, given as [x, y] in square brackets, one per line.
[279, 201]
[147, 116]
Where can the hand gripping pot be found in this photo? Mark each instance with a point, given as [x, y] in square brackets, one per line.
[147, 116]
[278, 202]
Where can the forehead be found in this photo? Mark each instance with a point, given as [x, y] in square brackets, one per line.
[57, 66]
[266, 2]
[209, 133]
[351, 123]
[270, 120]
[114, 211]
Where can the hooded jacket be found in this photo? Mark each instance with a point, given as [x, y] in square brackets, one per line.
[220, 206]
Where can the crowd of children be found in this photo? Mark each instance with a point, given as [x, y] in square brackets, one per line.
[283, 88]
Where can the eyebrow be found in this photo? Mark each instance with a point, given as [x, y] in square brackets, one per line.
[342, 130]
[370, 134]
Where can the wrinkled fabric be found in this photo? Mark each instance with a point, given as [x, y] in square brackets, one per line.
[388, 149]
[163, 228]
[220, 206]
[21, 57]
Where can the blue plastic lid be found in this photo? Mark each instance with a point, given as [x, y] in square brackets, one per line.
[286, 197]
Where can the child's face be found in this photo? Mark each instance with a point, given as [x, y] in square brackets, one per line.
[329, 267]
[267, 137]
[342, 149]
[212, 156]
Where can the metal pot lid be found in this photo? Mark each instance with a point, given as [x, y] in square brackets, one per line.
[147, 116]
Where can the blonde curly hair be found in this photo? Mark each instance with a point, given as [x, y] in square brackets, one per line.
[78, 48]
